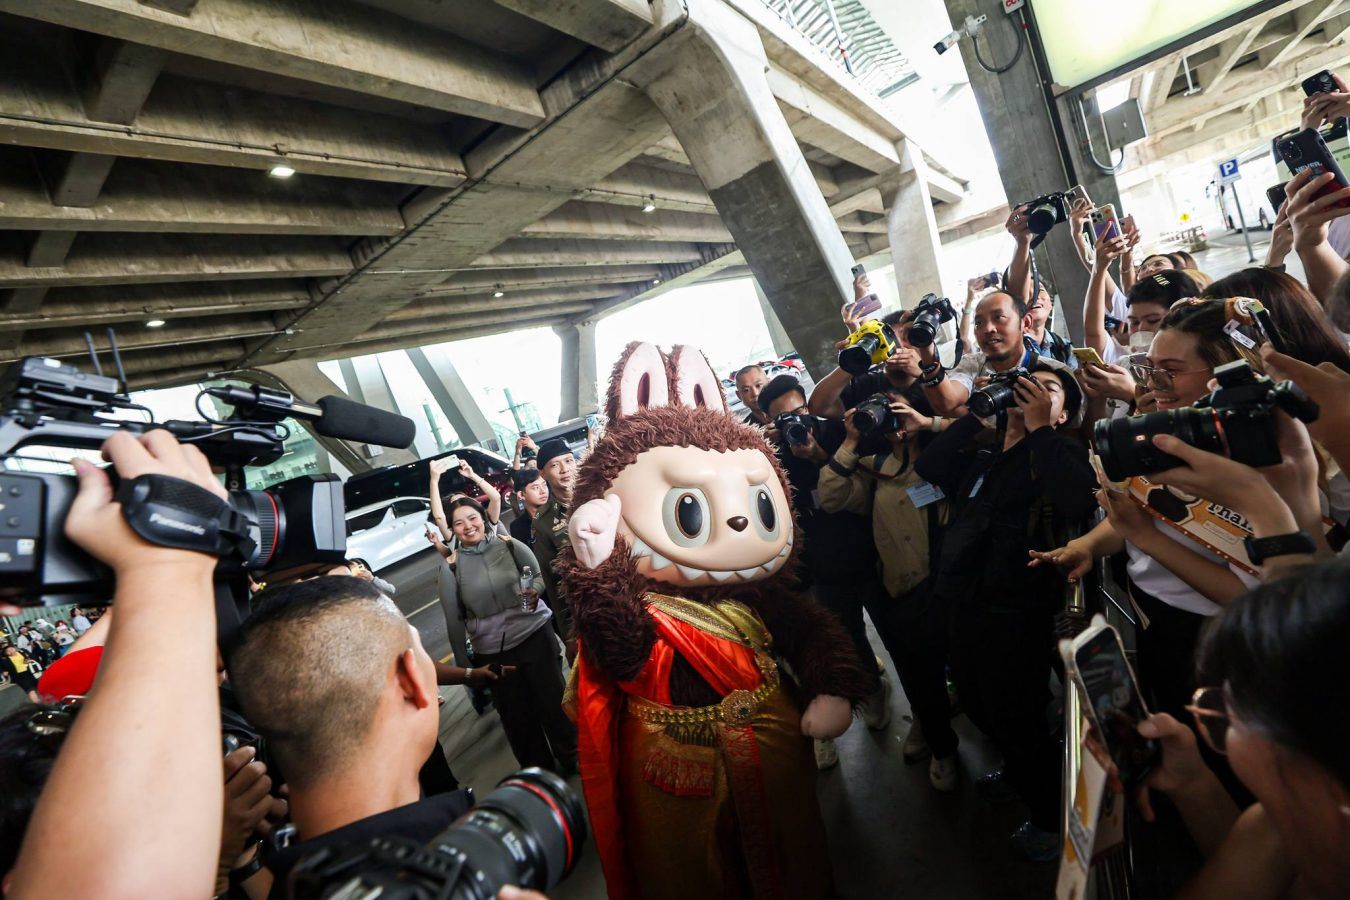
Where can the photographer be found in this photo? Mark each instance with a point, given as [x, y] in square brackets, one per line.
[839, 559]
[840, 391]
[906, 537]
[154, 720]
[1012, 492]
[999, 331]
[750, 380]
[337, 682]
[492, 596]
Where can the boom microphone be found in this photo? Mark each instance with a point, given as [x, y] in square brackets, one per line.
[350, 421]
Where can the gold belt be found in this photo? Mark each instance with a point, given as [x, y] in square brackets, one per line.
[737, 708]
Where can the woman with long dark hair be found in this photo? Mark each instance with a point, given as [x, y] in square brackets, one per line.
[1298, 317]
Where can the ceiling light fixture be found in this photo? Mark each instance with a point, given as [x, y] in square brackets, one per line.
[281, 170]
[497, 294]
[650, 205]
[656, 281]
[155, 323]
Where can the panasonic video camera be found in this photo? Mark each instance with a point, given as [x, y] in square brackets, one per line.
[1044, 213]
[46, 403]
[1236, 420]
[867, 347]
[529, 832]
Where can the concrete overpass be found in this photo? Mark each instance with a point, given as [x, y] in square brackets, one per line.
[461, 169]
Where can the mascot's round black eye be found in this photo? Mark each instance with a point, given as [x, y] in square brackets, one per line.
[686, 515]
[764, 504]
[689, 515]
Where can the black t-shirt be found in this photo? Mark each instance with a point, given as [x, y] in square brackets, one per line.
[522, 529]
[420, 821]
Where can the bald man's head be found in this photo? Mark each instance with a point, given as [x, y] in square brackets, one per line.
[311, 667]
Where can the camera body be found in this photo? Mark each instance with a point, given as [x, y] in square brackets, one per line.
[867, 347]
[1045, 212]
[874, 416]
[998, 394]
[929, 316]
[798, 429]
[1237, 420]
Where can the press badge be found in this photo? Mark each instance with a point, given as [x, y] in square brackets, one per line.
[923, 493]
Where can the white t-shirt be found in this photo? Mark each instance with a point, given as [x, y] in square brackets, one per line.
[1120, 310]
[973, 365]
[1152, 577]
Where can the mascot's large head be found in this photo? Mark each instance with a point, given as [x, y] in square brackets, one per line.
[704, 502]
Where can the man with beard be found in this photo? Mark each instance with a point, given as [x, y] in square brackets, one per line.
[999, 332]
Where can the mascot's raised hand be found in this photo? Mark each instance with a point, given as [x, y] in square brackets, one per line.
[592, 529]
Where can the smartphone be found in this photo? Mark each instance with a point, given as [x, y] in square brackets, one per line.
[1099, 666]
[1307, 150]
[453, 460]
[1127, 225]
[1105, 225]
[869, 304]
[1276, 196]
[1321, 83]
[1076, 193]
[859, 271]
[1088, 356]
[592, 422]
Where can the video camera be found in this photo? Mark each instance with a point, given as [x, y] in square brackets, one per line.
[998, 394]
[44, 402]
[798, 429]
[929, 316]
[529, 832]
[1237, 420]
[1044, 213]
[867, 347]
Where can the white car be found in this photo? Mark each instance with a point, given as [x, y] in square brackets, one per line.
[389, 531]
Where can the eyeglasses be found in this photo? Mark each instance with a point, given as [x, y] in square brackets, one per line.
[1144, 374]
[1211, 717]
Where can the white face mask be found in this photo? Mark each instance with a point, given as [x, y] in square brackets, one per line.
[1140, 341]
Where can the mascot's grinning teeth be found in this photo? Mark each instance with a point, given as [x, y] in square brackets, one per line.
[657, 562]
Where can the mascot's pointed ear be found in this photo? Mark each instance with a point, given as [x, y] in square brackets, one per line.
[692, 380]
[639, 382]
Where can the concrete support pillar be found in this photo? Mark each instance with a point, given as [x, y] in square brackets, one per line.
[1039, 145]
[442, 378]
[305, 380]
[709, 81]
[782, 344]
[916, 243]
[579, 397]
[366, 379]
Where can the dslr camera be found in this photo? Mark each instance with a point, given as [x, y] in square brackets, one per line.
[874, 416]
[1237, 420]
[528, 832]
[44, 402]
[867, 347]
[998, 394]
[929, 316]
[1044, 213]
[798, 429]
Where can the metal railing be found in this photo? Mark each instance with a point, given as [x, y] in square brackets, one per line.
[848, 34]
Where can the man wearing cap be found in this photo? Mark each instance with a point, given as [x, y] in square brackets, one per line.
[559, 468]
[1013, 489]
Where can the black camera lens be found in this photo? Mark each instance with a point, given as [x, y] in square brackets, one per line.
[796, 433]
[1291, 151]
[1041, 218]
[1126, 445]
[992, 398]
[924, 329]
[874, 415]
[856, 358]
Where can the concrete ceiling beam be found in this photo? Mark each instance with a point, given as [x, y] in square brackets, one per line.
[603, 221]
[68, 343]
[635, 184]
[475, 281]
[441, 319]
[337, 44]
[142, 259]
[440, 304]
[819, 122]
[527, 253]
[196, 122]
[148, 197]
[69, 307]
[1230, 51]
[607, 24]
[120, 80]
[360, 346]
[179, 7]
[1306, 20]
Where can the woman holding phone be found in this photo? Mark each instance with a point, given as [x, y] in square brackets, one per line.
[491, 596]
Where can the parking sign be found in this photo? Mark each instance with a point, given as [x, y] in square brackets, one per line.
[1228, 171]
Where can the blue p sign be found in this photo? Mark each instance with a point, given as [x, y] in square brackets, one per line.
[1228, 170]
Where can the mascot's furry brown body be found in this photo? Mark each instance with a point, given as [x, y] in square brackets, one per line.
[696, 759]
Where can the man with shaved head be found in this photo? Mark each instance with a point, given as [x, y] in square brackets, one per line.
[338, 683]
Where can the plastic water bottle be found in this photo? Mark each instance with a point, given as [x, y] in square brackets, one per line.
[527, 603]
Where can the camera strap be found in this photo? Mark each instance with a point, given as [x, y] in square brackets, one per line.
[171, 512]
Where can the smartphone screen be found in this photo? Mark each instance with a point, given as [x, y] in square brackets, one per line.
[1117, 707]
